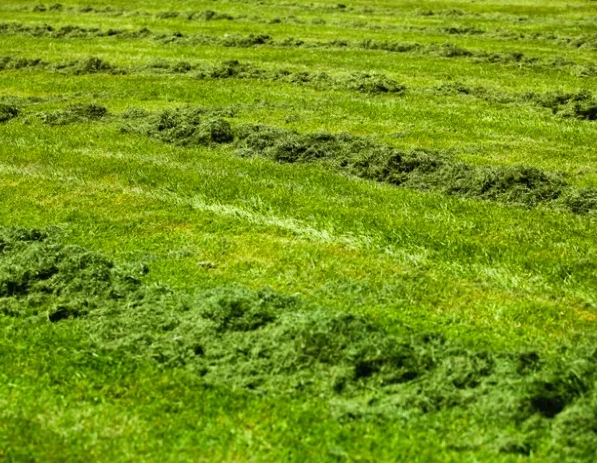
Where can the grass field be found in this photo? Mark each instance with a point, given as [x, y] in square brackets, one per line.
[298, 231]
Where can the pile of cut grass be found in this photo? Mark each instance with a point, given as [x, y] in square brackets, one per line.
[8, 112]
[265, 343]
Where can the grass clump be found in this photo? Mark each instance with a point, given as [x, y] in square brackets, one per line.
[370, 83]
[69, 31]
[374, 83]
[209, 15]
[482, 93]
[245, 41]
[40, 8]
[73, 114]
[579, 105]
[8, 112]
[39, 274]
[233, 69]
[167, 15]
[184, 127]
[92, 65]
[16, 63]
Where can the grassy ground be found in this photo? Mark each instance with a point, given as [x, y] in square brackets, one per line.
[489, 275]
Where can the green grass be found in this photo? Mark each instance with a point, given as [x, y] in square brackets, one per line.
[485, 275]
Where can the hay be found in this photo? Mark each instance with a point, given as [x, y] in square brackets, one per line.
[580, 105]
[417, 168]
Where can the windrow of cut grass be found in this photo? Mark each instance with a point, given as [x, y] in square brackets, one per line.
[90, 65]
[452, 11]
[8, 112]
[420, 169]
[580, 105]
[585, 41]
[417, 168]
[370, 83]
[446, 50]
[265, 343]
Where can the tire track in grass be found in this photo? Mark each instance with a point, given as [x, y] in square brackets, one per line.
[353, 241]
[506, 278]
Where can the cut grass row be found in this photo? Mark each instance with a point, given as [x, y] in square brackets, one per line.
[532, 138]
[519, 12]
[416, 168]
[420, 245]
[580, 105]
[273, 345]
[582, 66]
[578, 41]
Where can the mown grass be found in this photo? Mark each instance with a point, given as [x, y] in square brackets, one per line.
[486, 276]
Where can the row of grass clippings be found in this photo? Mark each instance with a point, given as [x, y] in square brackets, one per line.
[442, 50]
[585, 41]
[262, 342]
[581, 105]
[418, 169]
[415, 168]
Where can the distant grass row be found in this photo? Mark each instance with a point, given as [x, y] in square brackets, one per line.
[580, 105]
[439, 50]
[450, 10]
[587, 41]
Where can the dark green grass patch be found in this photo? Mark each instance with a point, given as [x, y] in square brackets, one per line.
[8, 112]
[73, 114]
[69, 31]
[417, 168]
[184, 127]
[91, 65]
[579, 105]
